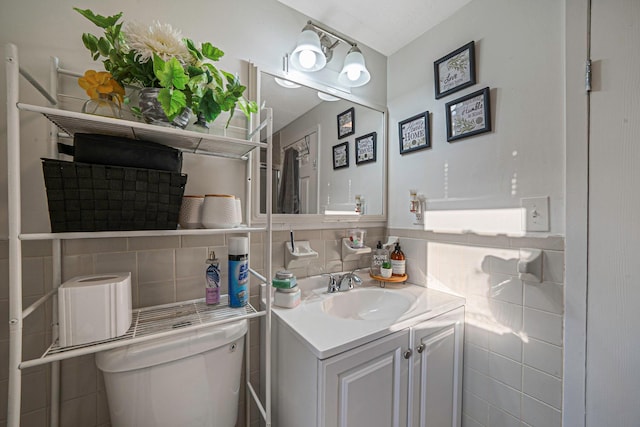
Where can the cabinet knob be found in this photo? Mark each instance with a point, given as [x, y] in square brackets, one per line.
[420, 348]
[407, 354]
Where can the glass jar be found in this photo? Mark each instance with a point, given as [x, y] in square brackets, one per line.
[108, 105]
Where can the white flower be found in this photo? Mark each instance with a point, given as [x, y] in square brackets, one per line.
[157, 38]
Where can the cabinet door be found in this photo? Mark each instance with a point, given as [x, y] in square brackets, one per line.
[436, 376]
[367, 386]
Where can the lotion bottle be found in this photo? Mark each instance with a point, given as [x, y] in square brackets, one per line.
[212, 280]
[398, 261]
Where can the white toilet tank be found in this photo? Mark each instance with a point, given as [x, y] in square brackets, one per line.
[187, 380]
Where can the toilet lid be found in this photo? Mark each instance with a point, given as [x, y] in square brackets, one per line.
[167, 349]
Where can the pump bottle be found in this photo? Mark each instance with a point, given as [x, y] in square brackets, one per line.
[398, 261]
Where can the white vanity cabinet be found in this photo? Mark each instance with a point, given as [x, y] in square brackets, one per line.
[366, 386]
[412, 377]
[436, 374]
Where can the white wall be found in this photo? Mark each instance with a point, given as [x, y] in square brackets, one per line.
[519, 56]
[258, 30]
[340, 186]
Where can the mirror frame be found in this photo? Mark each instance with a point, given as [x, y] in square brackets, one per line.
[285, 221]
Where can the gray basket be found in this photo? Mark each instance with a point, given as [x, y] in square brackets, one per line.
[90, 197]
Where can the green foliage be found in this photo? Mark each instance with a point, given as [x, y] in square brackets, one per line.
[199, 85]
[211, 52]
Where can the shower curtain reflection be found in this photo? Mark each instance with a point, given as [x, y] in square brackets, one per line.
[289, 191]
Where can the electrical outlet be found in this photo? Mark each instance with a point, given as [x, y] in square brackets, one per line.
[536, 212]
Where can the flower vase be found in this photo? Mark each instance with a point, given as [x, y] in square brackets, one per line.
[152, 111]
[108, 105]
[200, 125]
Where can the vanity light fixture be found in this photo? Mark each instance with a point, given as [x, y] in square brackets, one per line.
[354, 73]
[315, 48]
[286, 83]
[327, 97]
[309, 54]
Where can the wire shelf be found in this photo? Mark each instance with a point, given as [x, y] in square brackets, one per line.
[154, 322]
[73, 122]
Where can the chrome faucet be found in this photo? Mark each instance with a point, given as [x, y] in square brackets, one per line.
[349, 280]
[343, 283]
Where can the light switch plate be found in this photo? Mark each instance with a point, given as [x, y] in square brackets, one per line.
[536, 213]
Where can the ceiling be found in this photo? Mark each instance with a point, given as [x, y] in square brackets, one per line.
[383, 25]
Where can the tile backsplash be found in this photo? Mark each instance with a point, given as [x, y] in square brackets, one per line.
[513, 335]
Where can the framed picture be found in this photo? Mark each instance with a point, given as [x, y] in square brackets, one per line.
[469, 115]
[346, 123]
[366, 148]
[455, 71]
[414, 133]
[341, 155]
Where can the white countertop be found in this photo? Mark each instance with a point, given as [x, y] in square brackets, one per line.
[328, 335]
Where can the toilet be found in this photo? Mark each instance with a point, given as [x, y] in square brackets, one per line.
[186, 380]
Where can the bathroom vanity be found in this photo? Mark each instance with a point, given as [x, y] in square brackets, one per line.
[368, 357]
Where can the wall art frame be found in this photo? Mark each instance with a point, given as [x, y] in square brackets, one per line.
[366, 148]
[341, 155]
[346, 123]
[455, 71]
[414, 133]
[468, 115]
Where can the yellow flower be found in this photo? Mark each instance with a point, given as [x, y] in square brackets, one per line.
[97, 83]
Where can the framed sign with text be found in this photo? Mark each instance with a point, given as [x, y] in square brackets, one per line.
[414, 132]
[455, 71]
[366, 148]
[468, 115]
[341, 155]
[346, 123]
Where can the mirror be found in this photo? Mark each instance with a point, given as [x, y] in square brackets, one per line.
[315, 171]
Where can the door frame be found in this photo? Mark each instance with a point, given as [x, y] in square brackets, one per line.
[576, 212]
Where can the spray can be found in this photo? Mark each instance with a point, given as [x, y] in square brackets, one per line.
[238, 271]
[212, 280]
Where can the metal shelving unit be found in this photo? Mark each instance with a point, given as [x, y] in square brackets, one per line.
[155, 322]
[72, 122]
[149, 322]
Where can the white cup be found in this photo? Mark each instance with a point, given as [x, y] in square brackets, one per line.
[191, 212]
[219, 211]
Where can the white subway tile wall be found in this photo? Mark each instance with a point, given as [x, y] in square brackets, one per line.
[536, 413]
[514, 329]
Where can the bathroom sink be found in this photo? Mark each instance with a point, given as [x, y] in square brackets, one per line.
[367, 304]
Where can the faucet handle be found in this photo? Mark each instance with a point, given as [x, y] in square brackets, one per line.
[333, 283]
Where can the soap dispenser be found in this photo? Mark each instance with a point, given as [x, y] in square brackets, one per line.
[398, 261]
[379, 256]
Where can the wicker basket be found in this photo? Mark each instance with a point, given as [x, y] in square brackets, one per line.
[90, 197]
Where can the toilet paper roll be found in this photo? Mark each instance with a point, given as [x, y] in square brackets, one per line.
[93, 308]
